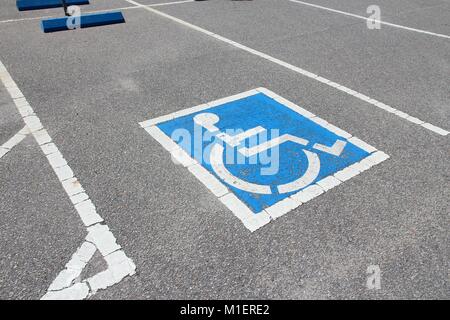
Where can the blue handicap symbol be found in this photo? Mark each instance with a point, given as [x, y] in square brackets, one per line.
[297, 151]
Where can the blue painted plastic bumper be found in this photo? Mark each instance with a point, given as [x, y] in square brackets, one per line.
[24, 5]
[86, 21]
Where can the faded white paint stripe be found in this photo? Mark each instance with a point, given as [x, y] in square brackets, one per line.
[169, 3]
[301, 71]
[14, 141]
[370, 19]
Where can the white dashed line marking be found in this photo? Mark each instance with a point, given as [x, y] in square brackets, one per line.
[119, 265]
[306, 73]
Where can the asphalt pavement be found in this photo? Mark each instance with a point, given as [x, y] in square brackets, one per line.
[92, 87]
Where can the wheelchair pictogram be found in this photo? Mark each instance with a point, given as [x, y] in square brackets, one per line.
[209, 120]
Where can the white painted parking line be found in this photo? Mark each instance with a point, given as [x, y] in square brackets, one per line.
[372, 20]
[14, 141]
[169, 3]
[74, 267]
[237, 193]
[99, 235]
[369, 100]
[119, 265]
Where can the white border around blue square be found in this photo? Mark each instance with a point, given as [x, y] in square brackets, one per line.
[251, 220]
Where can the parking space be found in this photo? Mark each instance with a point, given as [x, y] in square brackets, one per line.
[92, 88]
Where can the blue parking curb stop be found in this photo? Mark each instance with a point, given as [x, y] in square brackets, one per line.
[86, 21]
[24, 5]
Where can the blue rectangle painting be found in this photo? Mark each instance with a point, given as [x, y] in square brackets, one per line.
[262, 150]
